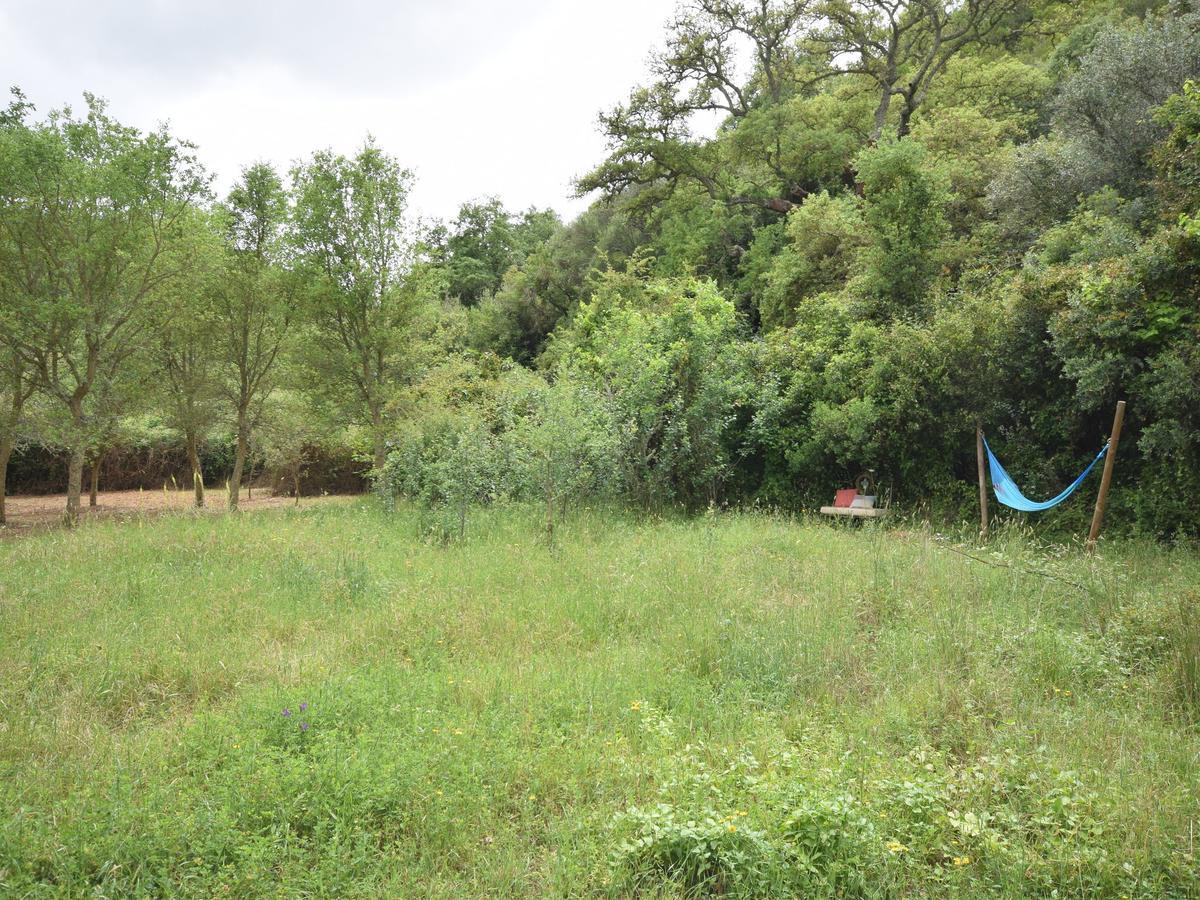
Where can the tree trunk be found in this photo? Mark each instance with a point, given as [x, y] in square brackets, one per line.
[239, 462]
[197, 473]
[74, 486]
[296, 483]
[95, 486]
[6, 448]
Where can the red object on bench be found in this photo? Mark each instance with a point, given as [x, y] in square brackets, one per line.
[845, 497]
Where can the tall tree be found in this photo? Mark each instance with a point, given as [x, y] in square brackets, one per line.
[353, 237]
[15, 384]
[16, 387]
[252, 305]
[702, 72]
[902, 46]
[92, 206]
[188, 385]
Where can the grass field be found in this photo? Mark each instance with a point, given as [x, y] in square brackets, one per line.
[318, 702]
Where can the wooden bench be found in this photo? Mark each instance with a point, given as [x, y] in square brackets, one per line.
[853, 512]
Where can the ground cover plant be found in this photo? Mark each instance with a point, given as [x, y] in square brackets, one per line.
[329, 702]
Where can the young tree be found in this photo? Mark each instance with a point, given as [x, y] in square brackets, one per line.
[352, 236]
[182, 355]
[291, 435]
[92, 206]
[252, 304]
[565, 446]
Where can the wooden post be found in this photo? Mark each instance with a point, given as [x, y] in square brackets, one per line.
[1106, 478]
[983, 498]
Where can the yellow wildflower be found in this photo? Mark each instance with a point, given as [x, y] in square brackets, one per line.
[962, 860]
[895, 847]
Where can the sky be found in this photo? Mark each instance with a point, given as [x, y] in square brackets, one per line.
[478, 98]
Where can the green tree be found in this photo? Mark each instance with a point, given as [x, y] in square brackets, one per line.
[653, 138]
[665, 351]
[566, 443]
[903, 46]
[825, 238]
[188, 372]
[486, 240]
[93, 207]
[904, 209]
[16, 387]
[553, 279]
[1177, 159]
[291, 437]
[368, 286]
[253, 304]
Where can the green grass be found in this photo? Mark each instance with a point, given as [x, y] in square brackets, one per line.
[738, 704]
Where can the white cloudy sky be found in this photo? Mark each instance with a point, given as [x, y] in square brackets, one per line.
[476, 97]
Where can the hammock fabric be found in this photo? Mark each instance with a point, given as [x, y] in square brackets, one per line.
[1010, 495]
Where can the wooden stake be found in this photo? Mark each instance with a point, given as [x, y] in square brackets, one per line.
[1106, 479]
[983, 498]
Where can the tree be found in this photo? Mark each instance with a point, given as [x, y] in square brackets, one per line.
[665, 352]
[352, 235]
[651, 137]
[902, 46]
[252, 305]
[92, 206]
[486, 240]
[182, 354]
[291, 435]
[16, 387]
[825, 238]
[549, 284]
[904, 210]
[566, 444]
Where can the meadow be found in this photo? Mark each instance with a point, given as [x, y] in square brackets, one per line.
[319, 702]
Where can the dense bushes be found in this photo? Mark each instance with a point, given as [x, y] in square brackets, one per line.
[1022, 257]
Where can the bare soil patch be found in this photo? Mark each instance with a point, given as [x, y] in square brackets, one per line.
[28, 513]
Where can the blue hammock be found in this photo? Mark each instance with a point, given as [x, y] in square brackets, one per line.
[1009, 494]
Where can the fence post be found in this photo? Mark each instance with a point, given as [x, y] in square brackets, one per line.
[983, 497]
[1106, 479]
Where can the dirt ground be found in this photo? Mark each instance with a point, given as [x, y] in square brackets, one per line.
[26, 514]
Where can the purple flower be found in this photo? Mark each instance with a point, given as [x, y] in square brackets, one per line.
[303, 705]
[286, 712]
[304, 726]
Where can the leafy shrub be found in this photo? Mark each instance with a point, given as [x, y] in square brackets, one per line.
[789, 819]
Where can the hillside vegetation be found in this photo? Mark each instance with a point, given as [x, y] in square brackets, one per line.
[321, 702]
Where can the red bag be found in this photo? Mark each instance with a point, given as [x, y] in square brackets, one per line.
[845, 497]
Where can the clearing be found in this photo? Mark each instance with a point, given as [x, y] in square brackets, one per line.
[318, 702]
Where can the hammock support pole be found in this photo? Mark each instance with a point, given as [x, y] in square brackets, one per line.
[983, 498]
[1106, 477]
